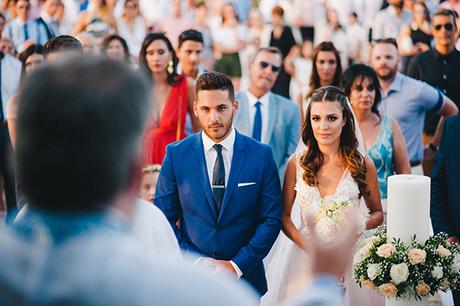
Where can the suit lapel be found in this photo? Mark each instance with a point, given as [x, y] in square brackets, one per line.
[200, 163]
[272, 114]
[238, 160]
[243, 114]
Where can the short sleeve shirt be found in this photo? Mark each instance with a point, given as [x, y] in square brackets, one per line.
[407, 100]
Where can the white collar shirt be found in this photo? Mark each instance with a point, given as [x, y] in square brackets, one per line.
[264, 110]
[16, 31]
[211, 154]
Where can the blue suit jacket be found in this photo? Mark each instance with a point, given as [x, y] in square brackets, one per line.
[283, 126]
[249, 219]
[445, 181]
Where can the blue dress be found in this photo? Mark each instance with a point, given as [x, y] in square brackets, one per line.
[382, 152]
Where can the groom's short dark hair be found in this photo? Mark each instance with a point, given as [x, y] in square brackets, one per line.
[215, 81]
[79, 128]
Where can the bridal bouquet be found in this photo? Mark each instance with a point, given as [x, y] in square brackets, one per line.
[410, 270]
[330, 214]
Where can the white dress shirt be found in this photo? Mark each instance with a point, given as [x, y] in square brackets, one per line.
[264, 110]
[387, 23]
[51, 23]
[210, 155]
[15, 31]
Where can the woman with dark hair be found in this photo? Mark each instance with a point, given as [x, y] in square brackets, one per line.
[115, 47]
[383, 139]
[31, 58]
[172, 97]
[332, 168]
[415, 37]
[326, 70]
[282, 38]
[131, 26]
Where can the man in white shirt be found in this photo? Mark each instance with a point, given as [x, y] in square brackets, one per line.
[46, 21]
[388, 22]
[23, 31]
[264, 115]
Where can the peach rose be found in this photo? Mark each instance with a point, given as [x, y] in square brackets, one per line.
[422, 289]
[385, 250]
[367, 284]
[443, 252]
[388, 290]
[416, 256]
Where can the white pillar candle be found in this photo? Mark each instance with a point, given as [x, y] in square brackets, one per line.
[408, 207]
[408, 215]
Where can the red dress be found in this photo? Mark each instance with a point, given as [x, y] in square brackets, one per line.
[171, 126]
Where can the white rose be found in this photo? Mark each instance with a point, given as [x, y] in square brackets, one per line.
[437, 272]
[399, 273]
[373, 270]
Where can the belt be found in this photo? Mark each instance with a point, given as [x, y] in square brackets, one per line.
[415, 163]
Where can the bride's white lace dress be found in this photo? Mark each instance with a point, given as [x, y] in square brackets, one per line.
[287, 265]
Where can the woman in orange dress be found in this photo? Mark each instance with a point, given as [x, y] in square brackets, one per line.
[172, 97]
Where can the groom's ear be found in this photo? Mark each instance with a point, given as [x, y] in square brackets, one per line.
[195, 109]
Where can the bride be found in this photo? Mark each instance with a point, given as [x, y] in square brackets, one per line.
[331, 165]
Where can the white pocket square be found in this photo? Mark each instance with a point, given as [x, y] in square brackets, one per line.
[246, 184]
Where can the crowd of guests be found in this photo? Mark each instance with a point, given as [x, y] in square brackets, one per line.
[395, 60]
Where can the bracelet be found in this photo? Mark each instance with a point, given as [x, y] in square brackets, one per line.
[432, 147]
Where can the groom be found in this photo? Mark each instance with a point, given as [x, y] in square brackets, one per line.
[222, 187]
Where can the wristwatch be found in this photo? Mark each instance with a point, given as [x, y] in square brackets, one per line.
[433, 147]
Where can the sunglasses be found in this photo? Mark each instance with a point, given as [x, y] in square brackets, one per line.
[448, 26]
[264, 64]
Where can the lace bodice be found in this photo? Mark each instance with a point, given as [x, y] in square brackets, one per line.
[309, 195]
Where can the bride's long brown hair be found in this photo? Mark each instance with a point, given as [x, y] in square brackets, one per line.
[312, 160]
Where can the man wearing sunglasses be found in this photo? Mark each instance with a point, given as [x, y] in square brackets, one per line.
[265, 116]
[439, 67]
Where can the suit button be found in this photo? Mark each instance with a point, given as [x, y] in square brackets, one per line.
[214, 254]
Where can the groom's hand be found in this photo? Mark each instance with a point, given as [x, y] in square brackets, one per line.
[225, 265]
[218, 265]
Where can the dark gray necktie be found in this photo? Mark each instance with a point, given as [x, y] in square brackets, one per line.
[218, 178]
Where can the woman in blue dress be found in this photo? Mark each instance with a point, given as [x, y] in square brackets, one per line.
[383, 139]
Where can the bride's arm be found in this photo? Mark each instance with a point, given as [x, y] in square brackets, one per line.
[289, 195]
[373, 198]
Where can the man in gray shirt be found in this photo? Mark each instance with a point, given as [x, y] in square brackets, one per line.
[407, 100]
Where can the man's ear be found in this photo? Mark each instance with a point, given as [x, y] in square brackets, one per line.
[235, 105]
[195, 108]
